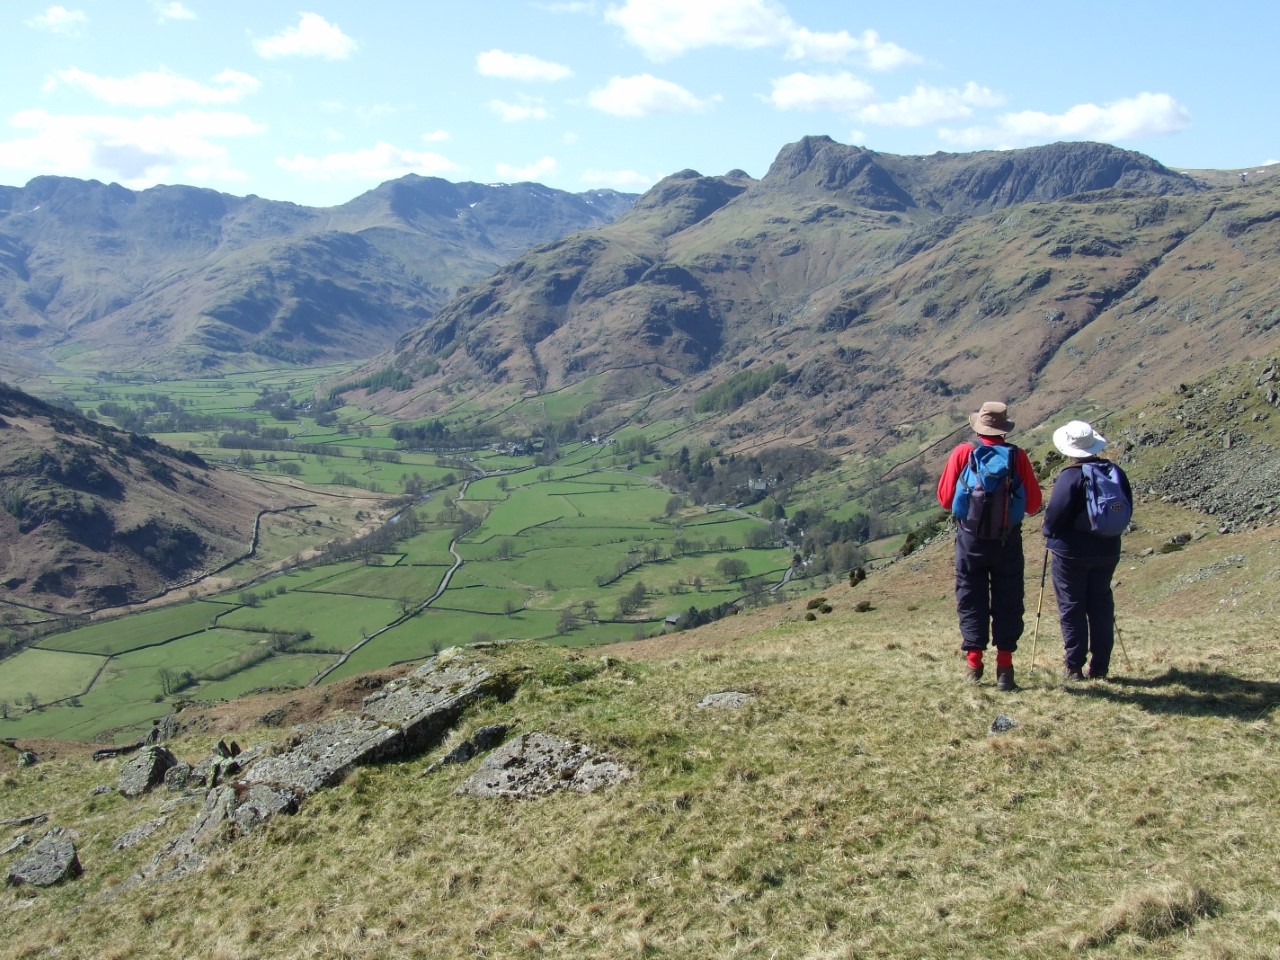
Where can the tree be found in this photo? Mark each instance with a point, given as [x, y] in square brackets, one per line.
[566, 623]
[168, 680]
[4, 709]
[731, 568]
[674, 504]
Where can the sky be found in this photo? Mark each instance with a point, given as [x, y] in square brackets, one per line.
[317, 101]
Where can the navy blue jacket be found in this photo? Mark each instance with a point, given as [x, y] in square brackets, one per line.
[1066, 519]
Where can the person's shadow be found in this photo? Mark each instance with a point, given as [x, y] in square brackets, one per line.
[1191, 692]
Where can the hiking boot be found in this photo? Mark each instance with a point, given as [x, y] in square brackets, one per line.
[1004, 679]
[1073, 674]
[971, 673]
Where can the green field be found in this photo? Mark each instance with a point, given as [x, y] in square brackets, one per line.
[283, 670]
[336, 622]
[46, 675]
[139, 630]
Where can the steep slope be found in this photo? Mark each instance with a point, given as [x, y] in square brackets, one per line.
[184, 279]
[94, 516]
[883, 284]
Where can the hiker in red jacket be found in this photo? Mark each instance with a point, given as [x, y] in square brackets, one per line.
[989, 565]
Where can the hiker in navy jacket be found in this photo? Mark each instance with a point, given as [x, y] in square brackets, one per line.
[989, 572]
[1083, 561]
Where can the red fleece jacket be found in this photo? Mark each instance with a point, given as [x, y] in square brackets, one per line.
[960, 455]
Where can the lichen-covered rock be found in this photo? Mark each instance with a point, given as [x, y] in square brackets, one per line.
[145, 771]
[326, 753]
[729, 699]
[533, 764]
[177, 776]
[260, 803]
[52, 860]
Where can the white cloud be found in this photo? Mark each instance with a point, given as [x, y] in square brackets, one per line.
[314, 36]
[663, 29]
[841, 92]
[380, 162]
[436, 136]
[1146, 115]
[644, 95]
[59, 20]
[158, 88]
[172, 10]
[534, 171]
[876, 53]
[138, 152]
[628, 181]
[926, 105]
[519, 66]
[516, 112]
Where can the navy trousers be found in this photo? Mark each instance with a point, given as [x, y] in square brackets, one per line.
[989, 590]
[1086, 610]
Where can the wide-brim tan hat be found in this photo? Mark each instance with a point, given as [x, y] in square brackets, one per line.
[991, 420]
[1078, 439]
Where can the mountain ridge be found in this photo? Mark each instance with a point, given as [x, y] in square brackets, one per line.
[88, 271]
[839, 259]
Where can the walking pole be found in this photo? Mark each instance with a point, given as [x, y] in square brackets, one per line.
[1120, 636]
[1035, 637]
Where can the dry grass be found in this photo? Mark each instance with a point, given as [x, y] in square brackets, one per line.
[856, 807]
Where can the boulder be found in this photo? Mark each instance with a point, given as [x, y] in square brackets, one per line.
[52, 860]
[145, 771]
[177, 776]
[534, 764]
[729, 699]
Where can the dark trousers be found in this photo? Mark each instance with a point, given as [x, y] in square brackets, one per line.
[989, 590]
[1086, 610]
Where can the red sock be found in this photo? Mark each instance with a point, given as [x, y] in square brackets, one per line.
[975, 658]
[1004, 658]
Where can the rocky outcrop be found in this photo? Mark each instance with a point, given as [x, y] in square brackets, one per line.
[404, 718]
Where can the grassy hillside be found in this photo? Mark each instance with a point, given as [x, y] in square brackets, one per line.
[857, 806]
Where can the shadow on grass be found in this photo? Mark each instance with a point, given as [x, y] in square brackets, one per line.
[1191, 692]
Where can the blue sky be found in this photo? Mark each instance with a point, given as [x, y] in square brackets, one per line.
[319, 100]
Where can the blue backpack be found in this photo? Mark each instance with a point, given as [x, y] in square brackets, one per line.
[1108, 509]
[989, 499]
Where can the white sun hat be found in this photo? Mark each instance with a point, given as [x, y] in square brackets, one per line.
[1078, 439]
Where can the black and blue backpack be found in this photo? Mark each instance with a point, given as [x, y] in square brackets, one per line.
[989, 500]
[1108, 509]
